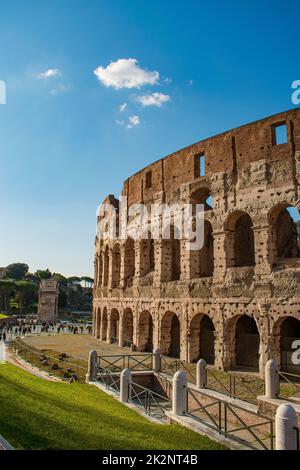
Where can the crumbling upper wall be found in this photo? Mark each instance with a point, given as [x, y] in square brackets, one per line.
[234, 150]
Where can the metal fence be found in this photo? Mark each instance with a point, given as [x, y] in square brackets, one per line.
[109, 379]
[59, 366]
[236, 385]
[289, 384]
[169, 366]
[233, 384]
[135, 362]
[153, 403]
[244, 426]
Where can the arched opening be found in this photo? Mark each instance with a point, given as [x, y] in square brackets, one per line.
[202, 261]
[129, 262]
[170, 335]
[240, 228]
[145, 335]
[286, 232]
[116, 266]
[147, 256]
[104, 325]
[202, 339]
[106, 266]
[201, 196]
[114, 326]
[127, 327]
[98, 323]
[289, 332]
[246, 343]
[171, 254]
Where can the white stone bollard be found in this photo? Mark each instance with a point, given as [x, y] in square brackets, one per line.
[271, 379]
[124, 385]
[201, 374]
[157, 360]
[179, 393]
[92, 367]
[285, 428]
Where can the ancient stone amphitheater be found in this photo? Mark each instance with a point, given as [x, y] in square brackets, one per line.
[235, 302]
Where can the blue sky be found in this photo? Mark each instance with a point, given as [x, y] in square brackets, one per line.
[64, 142]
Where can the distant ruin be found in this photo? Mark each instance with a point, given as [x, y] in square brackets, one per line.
[48, 300]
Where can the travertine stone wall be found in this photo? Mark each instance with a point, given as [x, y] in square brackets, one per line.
[233, 300]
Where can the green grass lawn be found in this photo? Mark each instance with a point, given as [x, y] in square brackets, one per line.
[36, 414]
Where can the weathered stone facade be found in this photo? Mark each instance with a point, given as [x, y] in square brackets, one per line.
[48, 300]
[236, 302]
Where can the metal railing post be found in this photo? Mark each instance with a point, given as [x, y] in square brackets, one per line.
[272, 379]
[286, 428]
[92, 367]
[179, 394]
[157, 360]
[201, 374]
[124, 385]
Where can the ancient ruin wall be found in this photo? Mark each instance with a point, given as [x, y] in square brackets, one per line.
[252, 179]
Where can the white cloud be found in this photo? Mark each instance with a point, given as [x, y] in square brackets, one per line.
[155, 99]
[191, 82]
[59, 89]
[123, 107]
[120, 123]
[125, 73]
[50, 73]
[133, 121]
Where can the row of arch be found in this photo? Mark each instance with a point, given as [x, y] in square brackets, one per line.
[239, 245]
[242, 330]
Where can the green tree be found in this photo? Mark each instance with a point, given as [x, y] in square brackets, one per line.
[74, 280]
[62, 280]
[26, 294]
[43, 274]
[16, 271]
[88, 281]
[7, 290]
[31, 278]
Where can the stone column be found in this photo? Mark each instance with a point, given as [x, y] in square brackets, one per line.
[179, 394]
[108, 334]
[122, 268]
[157, 360]
[124, 385]
[263, 250]
[185, 274]
[101, 327]
[220, 254]
[201, 374]
[110, 270]
[92, 367]
[121, 335]
[285, 428]
[184, 332]
[272, 379]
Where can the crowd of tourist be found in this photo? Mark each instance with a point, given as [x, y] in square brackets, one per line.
[22, 328]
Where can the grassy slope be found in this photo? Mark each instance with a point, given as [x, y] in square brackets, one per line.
[35, 414]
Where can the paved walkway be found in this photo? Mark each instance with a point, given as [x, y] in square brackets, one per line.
[75, 345]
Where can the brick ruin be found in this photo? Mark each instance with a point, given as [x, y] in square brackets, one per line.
[235, 302]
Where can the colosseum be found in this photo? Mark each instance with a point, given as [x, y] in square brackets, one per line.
[236, 301]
